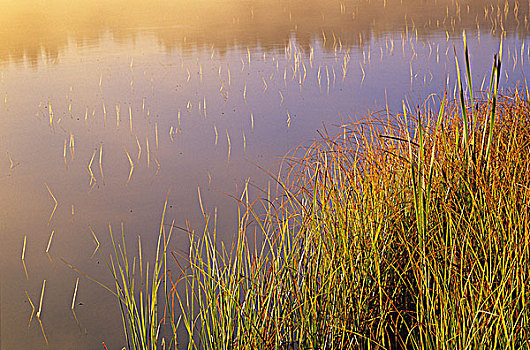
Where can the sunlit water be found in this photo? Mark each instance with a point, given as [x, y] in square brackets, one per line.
[189, 95]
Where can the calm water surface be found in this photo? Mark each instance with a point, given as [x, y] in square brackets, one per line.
[194, 94]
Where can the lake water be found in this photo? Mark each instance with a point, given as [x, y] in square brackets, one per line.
[190, 95]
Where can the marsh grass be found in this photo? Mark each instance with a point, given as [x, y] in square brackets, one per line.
[407, 231]
[142, 317]
[143, 291]
[403, 232]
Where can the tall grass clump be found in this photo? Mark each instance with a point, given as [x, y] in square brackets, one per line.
[143, 291]
[410, 231]
[143, 319]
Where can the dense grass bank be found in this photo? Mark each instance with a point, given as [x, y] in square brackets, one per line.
[411, 231]
[405, 231]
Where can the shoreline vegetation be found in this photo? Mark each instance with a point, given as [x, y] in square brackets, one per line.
[406, 231]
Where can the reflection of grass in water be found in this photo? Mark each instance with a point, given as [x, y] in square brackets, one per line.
[408, 232]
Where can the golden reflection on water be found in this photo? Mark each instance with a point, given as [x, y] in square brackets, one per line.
[32, 29]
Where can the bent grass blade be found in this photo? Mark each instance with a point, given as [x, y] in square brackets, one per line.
[55, 204]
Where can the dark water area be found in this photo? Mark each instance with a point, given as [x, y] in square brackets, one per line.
[106, 105]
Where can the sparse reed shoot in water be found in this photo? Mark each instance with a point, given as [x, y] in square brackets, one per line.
[130, 120]
[147, 152]
[93, 181]
[73, 301]
[139, 148]
[72, 146]
[101, 162]
[229, 147]
[96, 241]
[64, 155]
[38, 315]
[55, 204]
[23, 258]
[156, 135]
[131, 164]
[47, 251]
[32, 308]
[117, 116]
